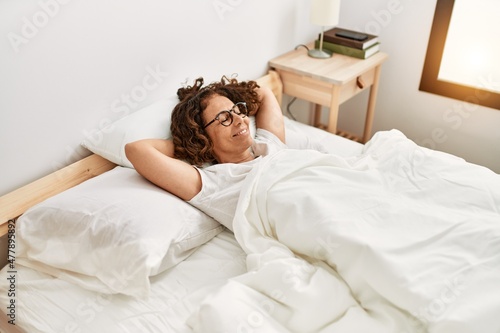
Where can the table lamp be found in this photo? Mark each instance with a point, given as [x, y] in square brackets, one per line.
[324, 13]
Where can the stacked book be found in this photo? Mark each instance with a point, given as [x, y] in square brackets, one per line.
[351, 43]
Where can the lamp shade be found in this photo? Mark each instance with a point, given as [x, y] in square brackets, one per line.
[325, 12]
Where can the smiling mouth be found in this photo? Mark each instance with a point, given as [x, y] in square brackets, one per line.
[240, 132]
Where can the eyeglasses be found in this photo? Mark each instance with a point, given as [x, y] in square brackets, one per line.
[225, 117]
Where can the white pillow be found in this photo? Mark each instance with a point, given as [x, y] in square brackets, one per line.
[151, 122]
[111, 233]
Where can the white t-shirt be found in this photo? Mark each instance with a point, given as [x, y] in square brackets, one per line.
[221, 183]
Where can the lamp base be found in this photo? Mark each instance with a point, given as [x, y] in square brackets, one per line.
[321, 54]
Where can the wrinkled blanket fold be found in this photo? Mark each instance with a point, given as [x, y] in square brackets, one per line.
[398, 239]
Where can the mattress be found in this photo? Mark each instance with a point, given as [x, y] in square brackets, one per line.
[48, 304]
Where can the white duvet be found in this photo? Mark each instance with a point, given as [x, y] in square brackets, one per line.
[400, 239]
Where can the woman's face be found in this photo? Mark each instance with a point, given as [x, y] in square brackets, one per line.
[231, 142]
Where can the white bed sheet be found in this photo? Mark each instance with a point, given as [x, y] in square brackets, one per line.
[46, 304]
[332, 143]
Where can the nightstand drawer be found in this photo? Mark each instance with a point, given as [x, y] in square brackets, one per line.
[306, 88]
[321, 92]
[351, 88]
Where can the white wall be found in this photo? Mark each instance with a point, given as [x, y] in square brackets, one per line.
[445, 124]
[68, 67]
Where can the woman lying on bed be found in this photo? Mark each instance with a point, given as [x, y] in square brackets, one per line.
[210, 125]
[400, 237]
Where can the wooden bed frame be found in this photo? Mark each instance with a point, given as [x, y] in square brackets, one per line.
[15, 203]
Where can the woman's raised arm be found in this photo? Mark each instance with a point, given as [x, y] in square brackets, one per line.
[269, 115]
[153, 159]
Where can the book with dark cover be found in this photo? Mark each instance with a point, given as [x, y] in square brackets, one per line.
[349, 51]
[332, 37]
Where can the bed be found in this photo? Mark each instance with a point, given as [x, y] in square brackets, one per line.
[329, 236]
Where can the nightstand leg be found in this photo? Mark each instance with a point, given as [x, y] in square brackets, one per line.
[372, 99]
[317, 115]
[334, 110]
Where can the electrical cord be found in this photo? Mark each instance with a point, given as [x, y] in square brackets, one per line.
[288, 108]
[302, 45]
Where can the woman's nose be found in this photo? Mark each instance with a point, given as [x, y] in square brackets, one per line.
[238, 119]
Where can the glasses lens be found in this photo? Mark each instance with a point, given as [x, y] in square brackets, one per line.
[240, 109]
[225, 118]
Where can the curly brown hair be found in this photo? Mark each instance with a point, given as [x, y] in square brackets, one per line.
[191, 142]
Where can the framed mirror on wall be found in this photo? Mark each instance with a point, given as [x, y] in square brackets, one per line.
[463, 54]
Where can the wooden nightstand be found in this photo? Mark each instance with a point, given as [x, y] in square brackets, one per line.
[330, 82]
